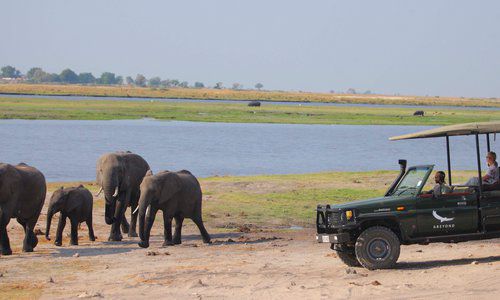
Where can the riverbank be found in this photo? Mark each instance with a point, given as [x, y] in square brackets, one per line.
[229, 94]
[280, 200]
[255, 253]
[38, 108]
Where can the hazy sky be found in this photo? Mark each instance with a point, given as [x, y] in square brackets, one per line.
[410, 47]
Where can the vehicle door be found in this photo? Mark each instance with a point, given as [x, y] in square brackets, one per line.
[490, 210]
[447, 214]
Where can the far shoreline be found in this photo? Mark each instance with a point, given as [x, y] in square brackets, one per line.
[238, 95]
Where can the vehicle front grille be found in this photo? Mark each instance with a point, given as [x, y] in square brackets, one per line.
[334, 218]
[327, 219]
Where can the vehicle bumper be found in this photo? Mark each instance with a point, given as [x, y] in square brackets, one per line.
[337, 238]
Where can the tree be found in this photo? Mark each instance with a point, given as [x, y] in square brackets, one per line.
[86, 78]
[38, 75]
[119, 80]
[68, 76]
[367, 92]
[140, 80]
[10, 72]
[51, 77]
[32, 73]
[174, 82]
[351, 91]
[129, 80]
[199, 85]
[184, 84]
[154, 81]
[259, 86]
[236, 86]
[107, 78]
[218, 85]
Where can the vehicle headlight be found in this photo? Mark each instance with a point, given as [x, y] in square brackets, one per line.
[348, 215]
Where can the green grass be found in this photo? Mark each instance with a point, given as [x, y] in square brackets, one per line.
[285, 200]
[286, 208]
[36, 108]
[276, 201]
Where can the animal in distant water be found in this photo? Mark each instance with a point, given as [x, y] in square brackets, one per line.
[74, 203]
[22, 194]
[254, 103]
[419, 113]
[178, 195]
[120, 174]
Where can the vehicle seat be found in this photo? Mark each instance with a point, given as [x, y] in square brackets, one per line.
[492, 187]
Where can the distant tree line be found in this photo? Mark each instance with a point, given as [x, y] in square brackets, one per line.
[68, 76]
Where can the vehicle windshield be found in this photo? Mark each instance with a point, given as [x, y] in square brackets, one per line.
[413, 181]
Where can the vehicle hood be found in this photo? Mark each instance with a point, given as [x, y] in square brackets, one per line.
[374, 203]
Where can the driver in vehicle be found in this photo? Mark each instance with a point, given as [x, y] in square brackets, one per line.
[440, 187]
[492, 175]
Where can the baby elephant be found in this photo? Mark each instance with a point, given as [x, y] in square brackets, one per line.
[177, 195]
[74, 203]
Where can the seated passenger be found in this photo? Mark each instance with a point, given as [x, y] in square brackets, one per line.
[492, 174]
[440, 187]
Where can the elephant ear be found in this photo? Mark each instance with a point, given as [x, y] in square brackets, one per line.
[149, 173]
[171, 184]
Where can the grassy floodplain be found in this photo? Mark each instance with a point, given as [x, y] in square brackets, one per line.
[43, 108]
[228, 94]
[280, 200]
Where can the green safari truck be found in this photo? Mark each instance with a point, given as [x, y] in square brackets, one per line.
[369, 233]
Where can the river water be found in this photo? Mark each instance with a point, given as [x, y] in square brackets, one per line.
[68, 150]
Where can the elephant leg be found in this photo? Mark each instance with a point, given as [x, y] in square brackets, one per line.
[4, 238]
[133, 218]
[178, 228]
[121, 206]
[150, 219]
[74, 232]
[167, 230]
[125, 225]
[29, 238]
[91, 228]
[199, 222]
[32, 239]
[60, 228]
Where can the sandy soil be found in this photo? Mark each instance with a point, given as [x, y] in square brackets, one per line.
[258, 264]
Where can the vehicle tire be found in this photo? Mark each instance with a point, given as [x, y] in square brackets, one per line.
[348, 257]
[377, 247]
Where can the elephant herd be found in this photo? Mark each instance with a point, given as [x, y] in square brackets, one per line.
[124, 178]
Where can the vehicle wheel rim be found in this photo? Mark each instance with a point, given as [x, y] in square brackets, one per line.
[379, 249]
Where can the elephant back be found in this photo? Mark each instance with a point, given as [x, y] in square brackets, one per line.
[190, 182]
[32, 180]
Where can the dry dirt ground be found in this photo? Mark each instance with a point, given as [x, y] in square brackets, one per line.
[259, 264]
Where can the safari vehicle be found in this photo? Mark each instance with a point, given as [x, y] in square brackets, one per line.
[369, 233]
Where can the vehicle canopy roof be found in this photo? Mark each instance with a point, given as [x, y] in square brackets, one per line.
[453, 130]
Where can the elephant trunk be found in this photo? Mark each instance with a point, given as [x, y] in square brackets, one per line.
[110, 188]
[144, 229]
[50, 214]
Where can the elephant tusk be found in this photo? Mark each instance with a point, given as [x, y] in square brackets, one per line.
[148, 210]
[136, 209]
[116, 192]
[100, 191]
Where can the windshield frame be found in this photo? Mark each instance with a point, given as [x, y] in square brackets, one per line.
[424, 179]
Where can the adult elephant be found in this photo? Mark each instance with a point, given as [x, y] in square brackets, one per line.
[22, 194]
[120, 174]
[178, 195]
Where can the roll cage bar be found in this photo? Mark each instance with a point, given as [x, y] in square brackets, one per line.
[475, 129]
